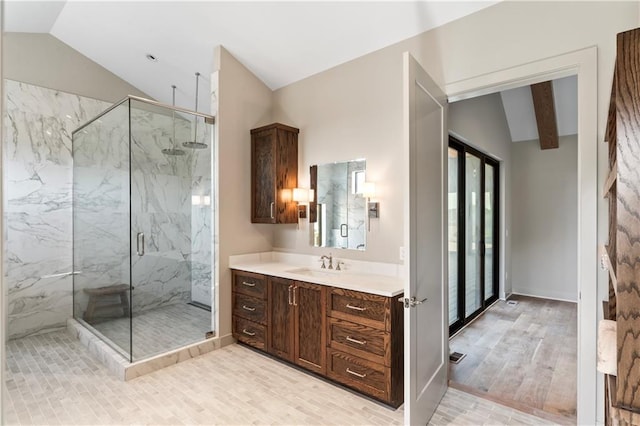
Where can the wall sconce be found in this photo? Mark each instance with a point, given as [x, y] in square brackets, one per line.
[301, 195]
[373, 208]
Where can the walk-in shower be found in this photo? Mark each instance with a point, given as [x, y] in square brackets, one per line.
[142, 227]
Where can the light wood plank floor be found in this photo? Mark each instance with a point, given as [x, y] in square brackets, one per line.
[523, 356]
[52, 379]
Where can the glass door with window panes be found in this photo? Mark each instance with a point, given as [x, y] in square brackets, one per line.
[473, 232]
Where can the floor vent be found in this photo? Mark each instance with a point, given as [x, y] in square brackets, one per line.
[456, 357]
[512, 302]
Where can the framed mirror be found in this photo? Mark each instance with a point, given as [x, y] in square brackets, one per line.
[337, 213]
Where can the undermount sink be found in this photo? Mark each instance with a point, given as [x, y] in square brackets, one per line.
[314, 272]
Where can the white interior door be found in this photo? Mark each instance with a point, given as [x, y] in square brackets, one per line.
[425, 322]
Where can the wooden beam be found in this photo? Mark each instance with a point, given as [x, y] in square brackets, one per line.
[542, 94]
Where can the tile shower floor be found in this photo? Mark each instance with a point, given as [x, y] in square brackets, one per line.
[52, 379]
[158, 330]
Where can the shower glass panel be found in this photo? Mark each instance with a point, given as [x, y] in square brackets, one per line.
[143, 227]
[101, 226]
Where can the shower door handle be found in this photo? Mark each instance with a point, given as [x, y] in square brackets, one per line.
[140, 243]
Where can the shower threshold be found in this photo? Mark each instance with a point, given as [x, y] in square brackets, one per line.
[116, 361]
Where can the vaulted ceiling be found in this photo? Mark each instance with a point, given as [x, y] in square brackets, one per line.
[280, 42]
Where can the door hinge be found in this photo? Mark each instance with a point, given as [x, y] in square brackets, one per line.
[411, 303]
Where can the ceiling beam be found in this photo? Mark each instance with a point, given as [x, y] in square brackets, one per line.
[542, 94]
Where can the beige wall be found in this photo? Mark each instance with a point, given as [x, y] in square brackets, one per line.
[244, 102]
[354, 110]
[481, 123]
[545, 225]
[43, 60]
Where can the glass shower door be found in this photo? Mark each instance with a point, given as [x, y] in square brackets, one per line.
[171, 245]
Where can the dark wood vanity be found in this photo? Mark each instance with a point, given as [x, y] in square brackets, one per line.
[351, 337]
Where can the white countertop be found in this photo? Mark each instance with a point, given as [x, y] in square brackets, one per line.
[382, 285]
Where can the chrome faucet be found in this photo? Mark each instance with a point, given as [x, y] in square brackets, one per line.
[329, 258]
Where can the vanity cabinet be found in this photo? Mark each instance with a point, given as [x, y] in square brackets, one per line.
[274, 172]
[353, 338]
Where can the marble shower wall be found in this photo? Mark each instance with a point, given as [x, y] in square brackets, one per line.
[37, 220]
[39, 211]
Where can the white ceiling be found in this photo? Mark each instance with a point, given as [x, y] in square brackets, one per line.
[518, 108]
[280, 42]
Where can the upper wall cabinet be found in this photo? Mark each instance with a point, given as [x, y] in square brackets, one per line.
[274, 173]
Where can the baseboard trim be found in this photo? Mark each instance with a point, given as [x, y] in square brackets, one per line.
[518, 293]
[227, 340]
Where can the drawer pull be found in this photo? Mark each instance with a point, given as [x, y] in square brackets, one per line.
[355, 308]
[248, 284]
[352, 340]
[248, 333]
[353, 373]
[248, 308]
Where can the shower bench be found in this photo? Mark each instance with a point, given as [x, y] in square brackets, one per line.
[98, 295]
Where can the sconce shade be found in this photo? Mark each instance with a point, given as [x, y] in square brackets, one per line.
[368, 189]
[300, 195]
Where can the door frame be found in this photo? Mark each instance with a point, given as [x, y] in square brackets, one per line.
[582, 63]
[462, 148]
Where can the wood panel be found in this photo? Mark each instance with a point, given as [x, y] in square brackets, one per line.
[254, 285]
[249, 332]
[396, 398]
[363, 308]
[250, 308]
[310, 322]
[280, 318]
[610, 135]
[627, 99]
[263, 176]
[542, 94]
[313, 184]
[286, 174]
[369, 377]
[365, 342]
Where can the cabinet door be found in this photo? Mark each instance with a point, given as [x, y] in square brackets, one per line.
[286, 166]
[280, 318]
[310, 325]
[263, 176]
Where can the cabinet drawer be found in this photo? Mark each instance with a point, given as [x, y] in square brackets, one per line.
[254, 285]
[369, 377]
[249, 332]
[359, 340]
[249, 308]
[361, 308]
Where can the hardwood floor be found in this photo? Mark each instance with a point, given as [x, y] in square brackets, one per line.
[523, 356]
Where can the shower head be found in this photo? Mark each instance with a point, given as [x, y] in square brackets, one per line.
[174, 151]
[195, 144]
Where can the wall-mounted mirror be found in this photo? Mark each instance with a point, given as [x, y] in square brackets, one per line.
[337, 213]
